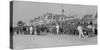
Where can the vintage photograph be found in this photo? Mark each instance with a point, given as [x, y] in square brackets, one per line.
[43, 25]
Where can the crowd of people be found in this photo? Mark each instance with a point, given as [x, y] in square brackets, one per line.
[90, 30]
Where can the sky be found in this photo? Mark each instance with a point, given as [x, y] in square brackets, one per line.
[26, 10]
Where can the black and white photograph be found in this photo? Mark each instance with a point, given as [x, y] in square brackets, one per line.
[42, 25]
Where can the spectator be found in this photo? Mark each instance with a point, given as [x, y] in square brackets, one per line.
[57, 28]
[80, 30]
[90, 29]
[31, 30]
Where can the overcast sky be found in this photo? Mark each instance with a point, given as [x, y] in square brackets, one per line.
[25, 11]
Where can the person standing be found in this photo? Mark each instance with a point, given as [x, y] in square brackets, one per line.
[90, 29]
[93, 29]
[35, 30]
[38, 30]
[31, 30]
[57, 28]
[80, 30]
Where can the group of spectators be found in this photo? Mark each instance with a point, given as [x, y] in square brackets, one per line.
[90, 30]
[81, 29]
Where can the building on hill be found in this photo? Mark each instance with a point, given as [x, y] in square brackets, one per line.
[47, 18]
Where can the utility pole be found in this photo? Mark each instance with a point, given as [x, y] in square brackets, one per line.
[62, 11]
[62, 7]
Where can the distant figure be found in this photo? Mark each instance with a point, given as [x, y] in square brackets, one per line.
[90, 29]
[38, 30]
[93, 29]
[57, 28]
[27, 29]
[35, 31]
[31, 30]
[80, 30]
[96, 31]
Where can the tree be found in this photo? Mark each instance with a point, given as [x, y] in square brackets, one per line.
[20, 23]
[87, 16]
